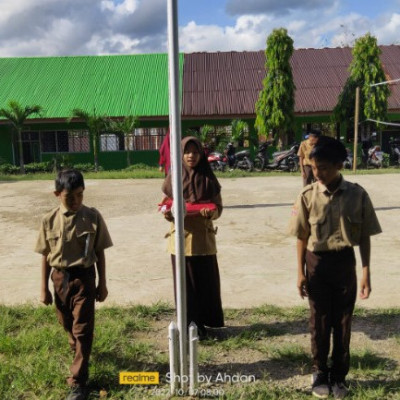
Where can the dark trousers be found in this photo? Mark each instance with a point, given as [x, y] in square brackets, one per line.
[309, 176]
[75, 296]
[332, 289]
[203, 290]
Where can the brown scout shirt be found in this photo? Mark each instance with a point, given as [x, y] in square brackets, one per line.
[72, 239]
[304, 151]
[199, 234]
[333, 221]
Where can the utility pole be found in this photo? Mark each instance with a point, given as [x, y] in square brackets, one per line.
[356, 116]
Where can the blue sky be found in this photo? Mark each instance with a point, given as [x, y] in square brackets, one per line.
[77, 27]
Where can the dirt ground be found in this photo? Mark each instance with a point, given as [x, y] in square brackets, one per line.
[256, 256]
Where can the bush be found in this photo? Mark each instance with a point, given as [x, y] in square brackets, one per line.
[386, 160]
[86, 167]
[9, 169]
[61, 161]
[139, 166]
[32, 168]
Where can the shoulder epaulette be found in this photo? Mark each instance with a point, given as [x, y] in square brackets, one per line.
[307, 188]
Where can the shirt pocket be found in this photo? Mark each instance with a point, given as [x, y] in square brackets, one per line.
[53, 238]
[85, 237]
[319, 228]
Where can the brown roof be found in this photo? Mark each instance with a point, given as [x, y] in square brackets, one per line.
[228, 83]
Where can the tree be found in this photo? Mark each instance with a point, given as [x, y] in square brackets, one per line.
[17, 115]
[275, 105]
[365, 70]
[206, 133]
[126, 126]
[96, 125]
[239, 130]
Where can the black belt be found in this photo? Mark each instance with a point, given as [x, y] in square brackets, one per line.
[327, 252]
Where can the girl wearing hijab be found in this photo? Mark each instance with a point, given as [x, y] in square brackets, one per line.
[200, 186]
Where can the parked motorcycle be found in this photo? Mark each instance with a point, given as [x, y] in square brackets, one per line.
[395, 151]
[348, 162]
[217, 161]
[239, 160]
[286, 160]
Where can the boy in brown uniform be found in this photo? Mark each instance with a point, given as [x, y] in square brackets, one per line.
[72, 238]
[305, 149]
[329, 218]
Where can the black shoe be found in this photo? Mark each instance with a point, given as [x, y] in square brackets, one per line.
[202, 332]
[320, 385]
[339, 390]
[77, 393]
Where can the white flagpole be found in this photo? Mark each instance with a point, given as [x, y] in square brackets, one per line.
[176, 161]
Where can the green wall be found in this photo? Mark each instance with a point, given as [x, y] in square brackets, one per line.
[6, 153]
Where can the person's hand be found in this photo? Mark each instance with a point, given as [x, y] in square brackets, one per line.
[302, 286]
[303, 174]
[365, 288]
[101, 292]
[168, 215]
[207, 213]
[46, 297]
[161, 168]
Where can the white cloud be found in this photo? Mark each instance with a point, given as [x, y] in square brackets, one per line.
[388, 29]
[273, 7]
[126, 7]
[70, 27]
[121, 44]
[247, 34]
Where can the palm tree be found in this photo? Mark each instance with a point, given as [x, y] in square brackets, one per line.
[96, 125]
[17, 115]
[239, 130]
[125, 126]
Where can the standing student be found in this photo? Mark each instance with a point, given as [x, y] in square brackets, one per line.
[305, 149]
[200, 185]
[72, 239]
[164, 161]
[329, 218]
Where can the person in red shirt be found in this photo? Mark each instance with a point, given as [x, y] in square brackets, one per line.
[165, 156]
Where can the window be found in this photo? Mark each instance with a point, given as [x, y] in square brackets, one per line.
[64, 141]
[30, 136]
[112, 142]
[140, 139]
[148, 138]
[78, 141]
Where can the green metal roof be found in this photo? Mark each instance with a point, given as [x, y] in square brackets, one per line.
[111, 85]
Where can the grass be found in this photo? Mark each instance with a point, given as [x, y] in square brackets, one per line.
[154, 173]
[268, 343]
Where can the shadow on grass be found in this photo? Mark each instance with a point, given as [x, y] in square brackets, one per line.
[371, 362]
[377, 324]
[259, 330]
[387, 388]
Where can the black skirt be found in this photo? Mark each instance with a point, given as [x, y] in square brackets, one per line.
[203, 290]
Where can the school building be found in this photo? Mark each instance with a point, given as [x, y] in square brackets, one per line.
[215, 89]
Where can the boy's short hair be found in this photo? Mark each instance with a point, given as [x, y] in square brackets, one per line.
[329, 149]
[314, 132]
[69, 179]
